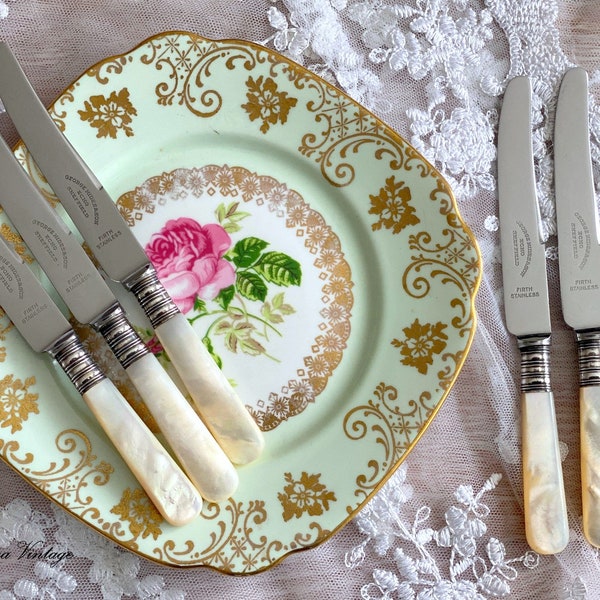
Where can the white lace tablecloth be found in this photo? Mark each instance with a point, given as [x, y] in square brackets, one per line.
[435, 71]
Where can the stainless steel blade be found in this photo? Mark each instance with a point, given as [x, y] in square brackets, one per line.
[54, 246]
[576, 210]
[27, 303]
[523, 255]
[44, 327]
[579, 263]
[83, 197]
[65, 262]
[528, 317]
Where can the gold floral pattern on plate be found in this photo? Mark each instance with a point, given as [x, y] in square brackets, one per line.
[395, 423]
[420, 343]
[17, 401]
[266, 104]
[66, 480]
[393, 207]
[304, 495]
[141, 516]
[65, 477]
[109, 115]
[336, 291]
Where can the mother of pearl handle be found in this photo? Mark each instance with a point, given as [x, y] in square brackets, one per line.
[546, 522]
[170, 490]
[589, 404]
[218, 404]
[197, 450]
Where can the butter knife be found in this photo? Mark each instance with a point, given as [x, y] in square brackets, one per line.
[123, 259]
[45, 329]
[579, 265]
[90, 300]
[528, 318]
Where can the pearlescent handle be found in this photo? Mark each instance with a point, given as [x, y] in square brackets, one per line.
[546, 522]
[197, 450]
[589, 404]
[166, 484]
[216, 401]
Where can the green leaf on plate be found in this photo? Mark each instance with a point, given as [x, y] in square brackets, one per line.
[251, 286]
[274, 311]
[228, 216]
[225, 297]
[281, 306]
[211, 350]
[238, 336]
[279, 268]
[246, 252]
[200, 306]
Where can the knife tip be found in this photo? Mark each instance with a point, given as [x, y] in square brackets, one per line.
[575, 74]
[520, 82]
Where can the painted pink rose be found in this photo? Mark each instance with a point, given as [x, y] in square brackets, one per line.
[188, 258]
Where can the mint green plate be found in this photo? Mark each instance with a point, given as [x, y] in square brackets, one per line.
[336, 289]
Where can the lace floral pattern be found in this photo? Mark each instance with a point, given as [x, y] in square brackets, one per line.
[419, 575]
[576, 591]
[47, 544]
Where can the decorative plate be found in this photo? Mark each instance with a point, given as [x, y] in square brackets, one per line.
[321, 259]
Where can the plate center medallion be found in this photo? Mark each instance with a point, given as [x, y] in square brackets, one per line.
[257, 271]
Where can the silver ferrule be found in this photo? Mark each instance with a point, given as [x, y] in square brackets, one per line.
[152, 296]
[588, 348]
[535, 363]
[76, 362]
[122, 338]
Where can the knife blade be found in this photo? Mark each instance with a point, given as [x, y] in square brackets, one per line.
[90, 300]
[579, 268]
[45, 329]
[123, 259]
[528, 318]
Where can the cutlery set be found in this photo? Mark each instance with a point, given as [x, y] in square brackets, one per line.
[207, 440]
[527, 307]
[218, 433]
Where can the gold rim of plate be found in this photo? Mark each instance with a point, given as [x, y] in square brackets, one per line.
[345, 277]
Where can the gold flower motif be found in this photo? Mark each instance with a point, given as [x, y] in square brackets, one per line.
[250, 186]
[109, 115]
[16, 402]
[266, 103]
[297, 216]
[392, 206]
[194, 182]
[167, 184]
[306, 495]
[225, 181]
[136, 508]
[421, 343]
